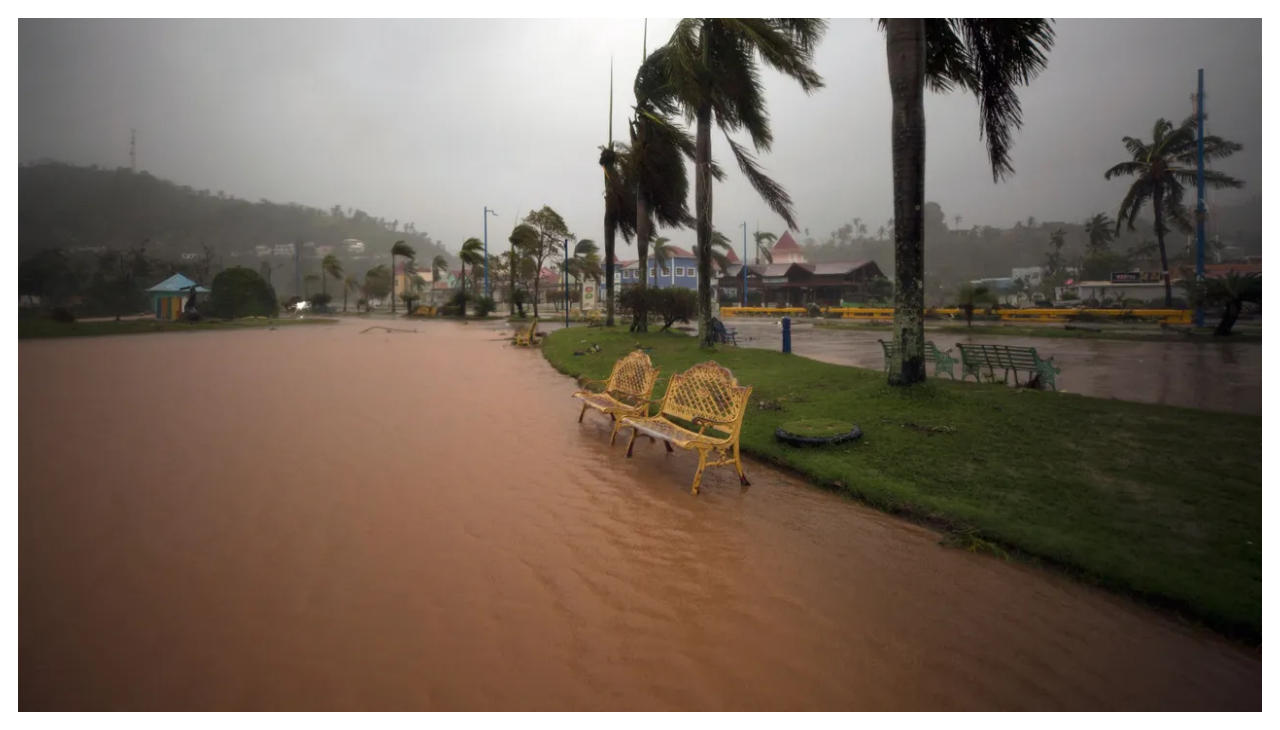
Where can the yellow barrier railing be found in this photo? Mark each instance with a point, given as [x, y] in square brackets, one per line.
[877, 314]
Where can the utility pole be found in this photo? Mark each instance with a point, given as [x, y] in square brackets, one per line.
[744, 263]
[297, 271]
[1200, 211]
[487, 213]
[133, 150]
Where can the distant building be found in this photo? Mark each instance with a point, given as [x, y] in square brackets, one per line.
[190, 256]
[169, 296]
[1033, 275]
[324, 250]
[262, 251]
[283, 249]
[353, 245]
[787, 251]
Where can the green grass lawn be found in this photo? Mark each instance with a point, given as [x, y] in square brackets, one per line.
[1134, 333]
[40, 327]
[1154, 501]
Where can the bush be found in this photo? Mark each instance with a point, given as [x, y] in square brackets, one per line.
[637, 302]
[321, 299]
[674, 304]
[62, 314]
[814, 310]
[485, 306]
[450, 310]
[242, 292]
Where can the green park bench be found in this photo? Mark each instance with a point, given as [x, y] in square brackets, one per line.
[942, 360]
[974, 358]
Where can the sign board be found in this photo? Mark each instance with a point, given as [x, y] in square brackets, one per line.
[588, 292]
[775, 280]
[1137, 277]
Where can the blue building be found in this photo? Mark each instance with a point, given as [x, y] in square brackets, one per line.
[680, 269]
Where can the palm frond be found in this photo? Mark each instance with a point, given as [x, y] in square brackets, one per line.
[1127, 169]
[770, 191]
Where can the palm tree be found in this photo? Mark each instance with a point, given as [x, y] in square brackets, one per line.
[972, 295]
[989, 57]
[589, 268]
[712, 72]
[880, 233]
[471, 255]
[525, 236]
[330, 266]
[655, 160]
[404, 250]
[439, 267]
[349, 284]
[576, 265]
[1160, 170]
[721, 246]
[764, 240]
[1101, 230]
[1231, 292]
[661, 256]
[619, 212]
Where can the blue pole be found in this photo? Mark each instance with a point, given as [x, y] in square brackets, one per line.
[786, 335]
[487, 291]
[744, 263]
[566, 282]
[1200, 211]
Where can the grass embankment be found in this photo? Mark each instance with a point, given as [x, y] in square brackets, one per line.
[1159, 502]
[1108, 332]
[39, 328]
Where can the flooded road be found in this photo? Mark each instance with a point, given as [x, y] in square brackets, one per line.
[312, 518]
[1217, 376]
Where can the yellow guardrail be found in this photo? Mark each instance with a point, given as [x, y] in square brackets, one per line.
[878, 314]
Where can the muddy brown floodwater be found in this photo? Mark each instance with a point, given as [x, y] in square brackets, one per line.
[312, 518]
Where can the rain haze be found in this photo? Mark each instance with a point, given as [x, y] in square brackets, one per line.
[431, 121]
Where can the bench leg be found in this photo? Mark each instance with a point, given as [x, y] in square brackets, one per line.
[737, 461]
[697, 475]
[668, 445]
[617, 426]
[583, 413]
[632, 443]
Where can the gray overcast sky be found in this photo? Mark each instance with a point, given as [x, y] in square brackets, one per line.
[430, 121]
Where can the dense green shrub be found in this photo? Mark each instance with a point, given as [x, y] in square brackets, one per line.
[241, 292]
[485, 306]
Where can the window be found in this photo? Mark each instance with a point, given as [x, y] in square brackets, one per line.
[624, 274]
[651, 272]
[666, 271]
[679, 271]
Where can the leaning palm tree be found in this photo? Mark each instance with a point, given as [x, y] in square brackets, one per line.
[656, 159]
[619, 212]
[471, 255]
[589, 268]
[1231, 292]
[575, 266]
[1101, 231]
[721, 246]
[350, 284]
[661, 256]
[439, 267]
[330, 266]
[989, 57]
[713, 74]
[764, 243]
[1161, 169]
[522, 238]
[404, 250]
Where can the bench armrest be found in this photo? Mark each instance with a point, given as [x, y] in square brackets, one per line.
[584, 382]
[704, 422]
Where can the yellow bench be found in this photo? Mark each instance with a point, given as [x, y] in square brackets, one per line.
[625, 393]
[709, 399]
[529, 337]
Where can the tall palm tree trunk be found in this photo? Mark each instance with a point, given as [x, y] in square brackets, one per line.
[702, 201]
[393, 284]
[1158, 209]
[610, 228]
[906, 51]
[641, 321]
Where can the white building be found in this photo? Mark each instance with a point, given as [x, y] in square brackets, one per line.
[353, 245]
[1033, 275]
[262, 251]
[283, 249]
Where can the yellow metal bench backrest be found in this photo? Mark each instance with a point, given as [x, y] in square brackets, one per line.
[633, 375]
[708, 391]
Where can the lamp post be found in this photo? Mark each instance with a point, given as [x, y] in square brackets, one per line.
[1200, 211]
[566, 282]
[487, 213]
[744, 263]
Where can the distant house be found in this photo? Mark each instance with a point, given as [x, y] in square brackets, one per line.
[190, 256]
[680, 269]
[262, 251]
[282, 249]
[787, 251]
[170, 296]
[324, 250]
[353, 245]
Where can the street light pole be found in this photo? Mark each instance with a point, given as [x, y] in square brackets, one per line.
[487, 213]
[744, 263]
[1200, 211]
[566, 282]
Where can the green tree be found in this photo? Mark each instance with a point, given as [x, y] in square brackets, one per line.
[439, 270]
[1161, 171]
[403, 250]
[1101, 231]
[241, 292]
[377, 282]
[117, 280]
[661, 257]
[330, 267]
[989, 57]
[349, 284]
[1230, 292]
[523, 238]
[970, 296]
[1054, 258]
[547, 245]
[713, 74]
[584, 264]
[764, 246]
[471, 255]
